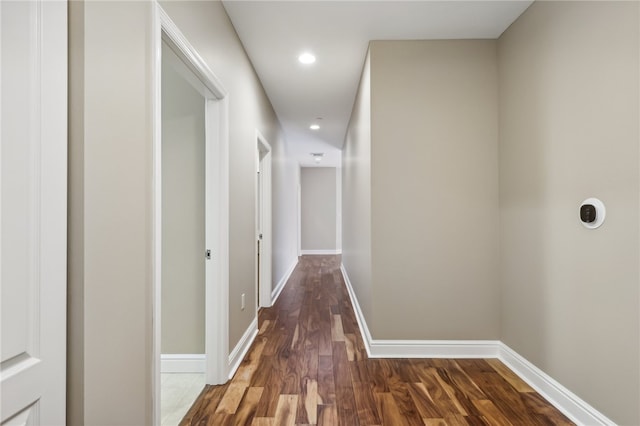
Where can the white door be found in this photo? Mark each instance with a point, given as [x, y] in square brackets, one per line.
[33, 248]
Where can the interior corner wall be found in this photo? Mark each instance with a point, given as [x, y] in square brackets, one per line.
[318, 209]
[434, 190]
[356, 196]
[569, 130]
[110, 213]
[208, 28]
[284, 193]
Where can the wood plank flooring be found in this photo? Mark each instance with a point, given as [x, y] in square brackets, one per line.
[308, 365]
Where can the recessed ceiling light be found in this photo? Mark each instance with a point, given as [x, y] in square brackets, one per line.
[307, 58]
[317, 156]
[314, 127]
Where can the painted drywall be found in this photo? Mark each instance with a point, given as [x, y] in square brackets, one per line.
[434, 190]
[284, 195]
[110, 297]
[318, 208]
[209, 30]
[75, 221]
[568, 131]
[356, 195]
[110, 214]
[183, 213]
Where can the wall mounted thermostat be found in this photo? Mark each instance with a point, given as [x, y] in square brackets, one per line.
[592, 213]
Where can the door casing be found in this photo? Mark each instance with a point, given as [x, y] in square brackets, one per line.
[263, 220]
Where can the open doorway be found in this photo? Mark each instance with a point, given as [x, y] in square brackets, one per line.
[190, 231]
[263, 221]
[184, 248]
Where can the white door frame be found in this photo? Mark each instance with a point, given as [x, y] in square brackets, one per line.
[217, 203]
[263, 167]
[34, 212]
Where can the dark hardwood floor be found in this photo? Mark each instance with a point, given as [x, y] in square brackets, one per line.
[308, 365]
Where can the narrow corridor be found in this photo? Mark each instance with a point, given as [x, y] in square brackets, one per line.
[308, 365]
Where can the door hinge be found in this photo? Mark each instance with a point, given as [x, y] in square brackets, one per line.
[208, 254]
[260, 236]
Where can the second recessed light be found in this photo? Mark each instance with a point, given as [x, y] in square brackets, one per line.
[314, 127]
[307, 58]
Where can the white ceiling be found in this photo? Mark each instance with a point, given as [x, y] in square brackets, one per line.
[274, 33]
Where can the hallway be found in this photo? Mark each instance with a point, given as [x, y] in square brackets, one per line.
[308, 365]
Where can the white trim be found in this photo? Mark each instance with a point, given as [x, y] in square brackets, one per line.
[218, 307]
[192, 59]
[217, 240]
[562, 398]
[156, 200]
[362, 323]
[241, 349]
[559, 396]
[434, 348]
[319, 252]
[183, 363]
[278, 289]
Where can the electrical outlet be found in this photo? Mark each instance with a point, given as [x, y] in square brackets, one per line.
[242, 302]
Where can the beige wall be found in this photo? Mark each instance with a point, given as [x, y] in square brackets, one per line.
[110, 214]
[434, 196]
[284, 219]
[75, 212]
[110, 302]
[318, 208]
[183, 213]
[518, 137]
[356, 195]
[568, 131]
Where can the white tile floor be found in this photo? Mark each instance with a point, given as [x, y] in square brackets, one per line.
[178, 393]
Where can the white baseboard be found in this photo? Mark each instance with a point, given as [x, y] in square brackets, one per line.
[362, 323]
[418, 348]
[237, 355]
[276, 291]
[319, 252]
[183, 363]
[562, 398]
[434, 348]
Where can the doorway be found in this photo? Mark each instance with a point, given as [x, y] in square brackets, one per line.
[184, 248]
[191, 204]
[263, 222]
